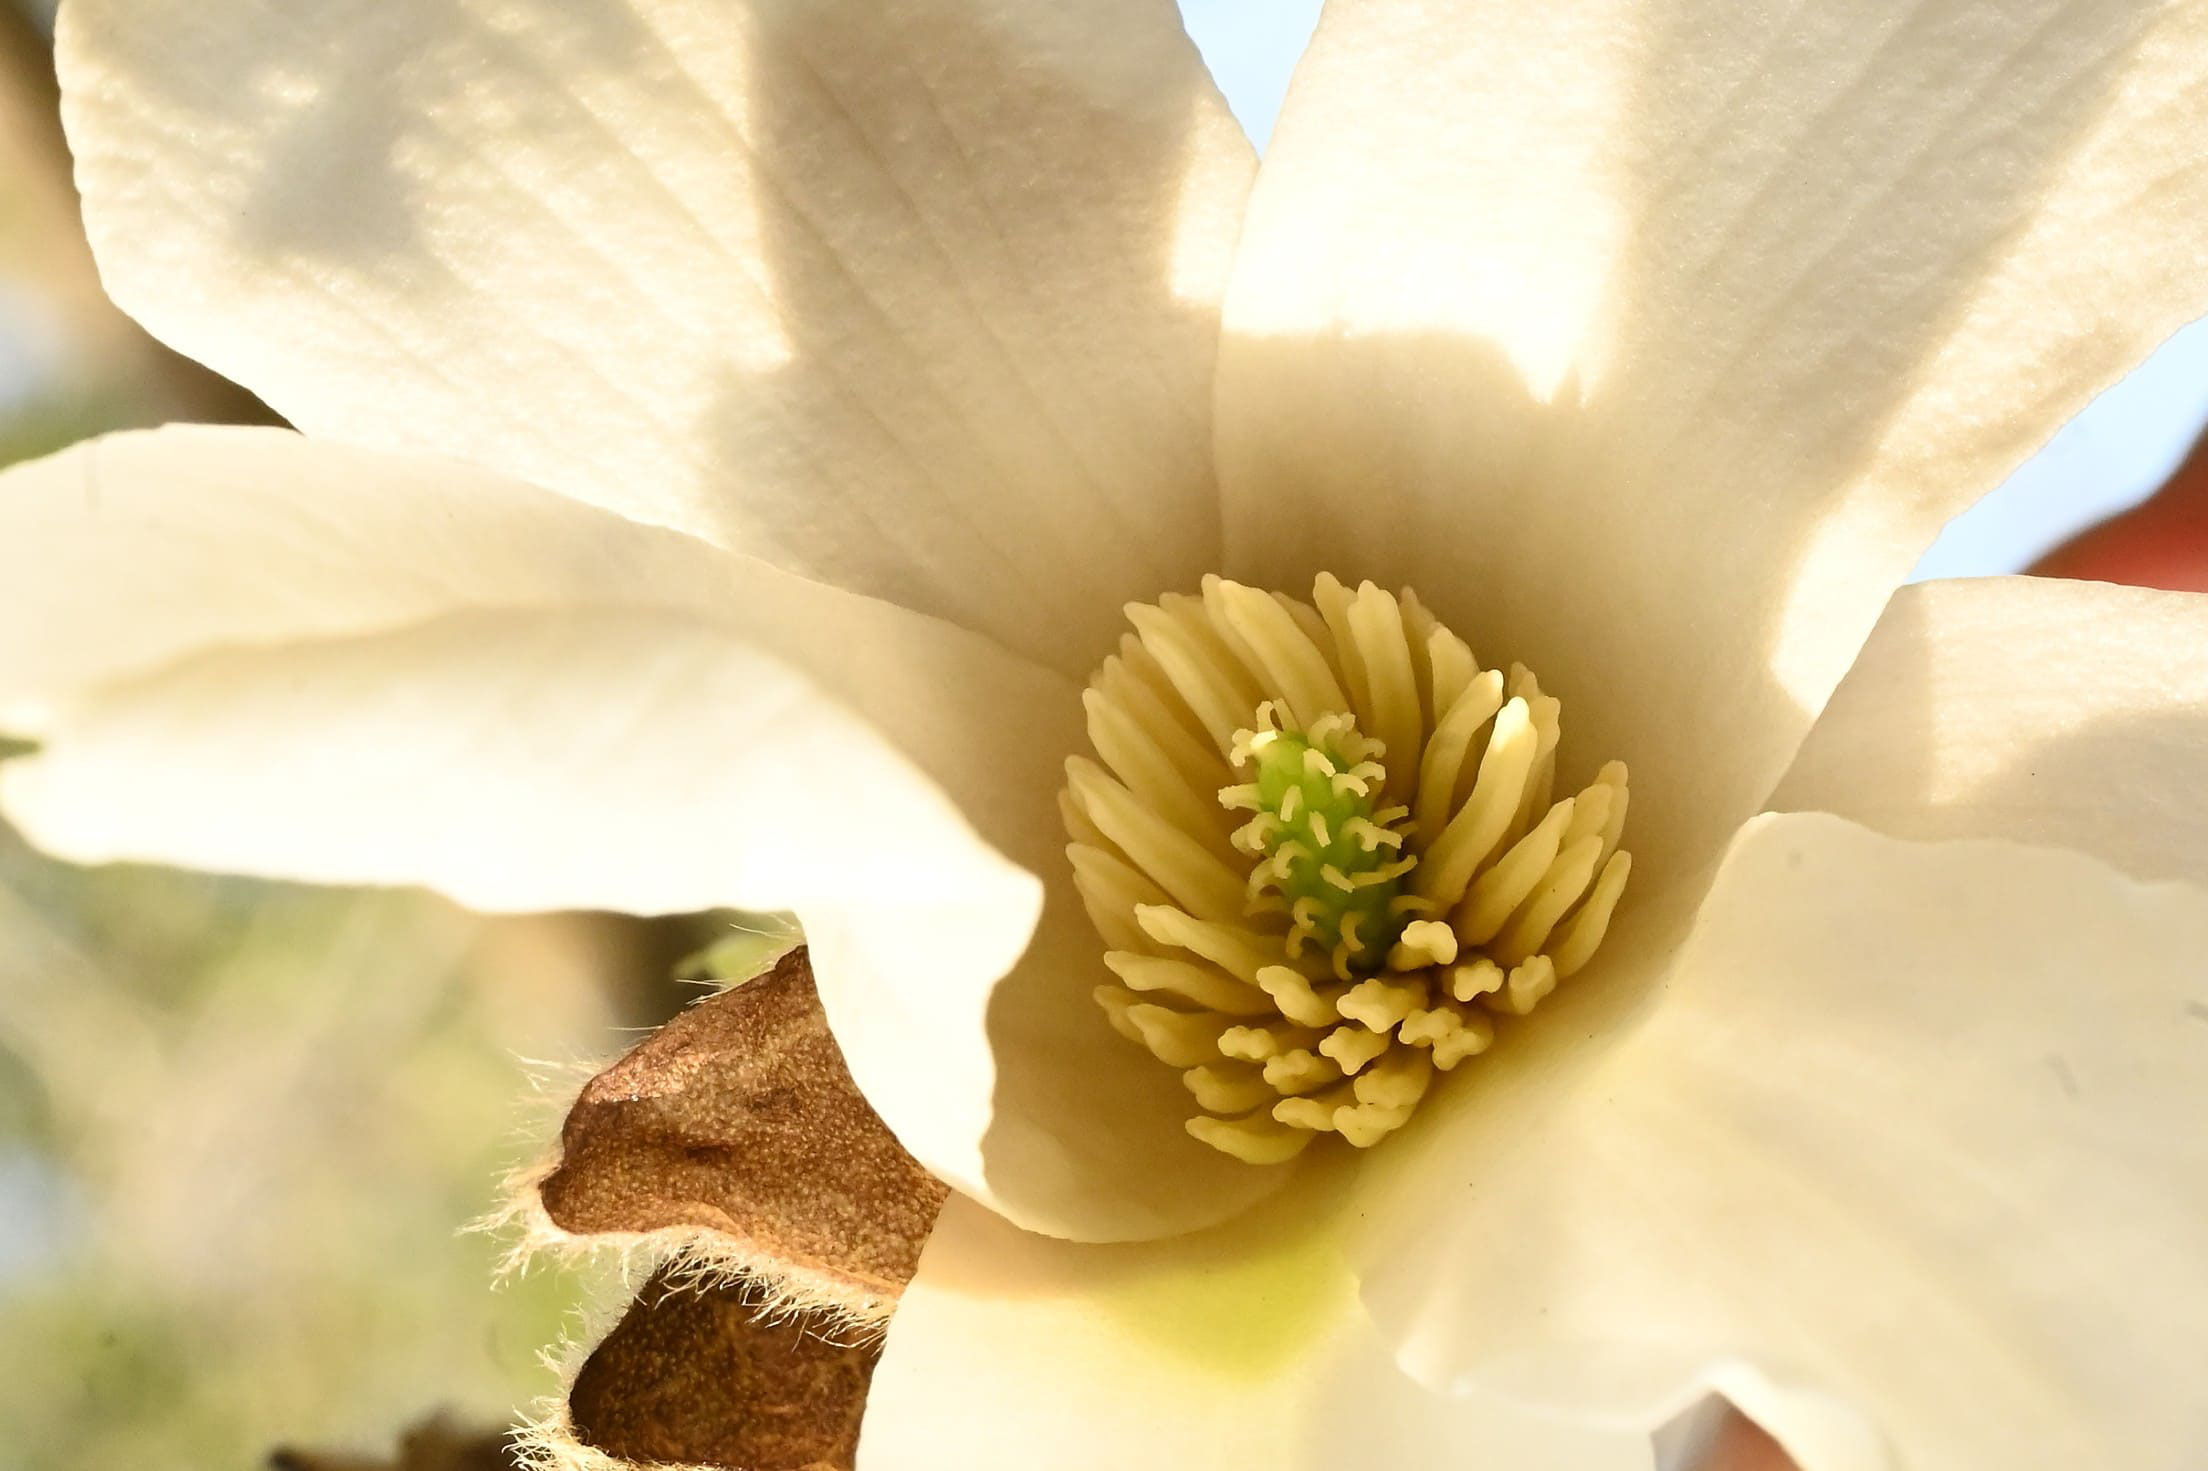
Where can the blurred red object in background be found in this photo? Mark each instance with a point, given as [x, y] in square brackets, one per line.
[1743, 1446]
[2162, 542]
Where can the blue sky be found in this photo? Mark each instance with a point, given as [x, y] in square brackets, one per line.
[2110, 456]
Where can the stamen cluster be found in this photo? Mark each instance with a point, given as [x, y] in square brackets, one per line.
[1321, 851]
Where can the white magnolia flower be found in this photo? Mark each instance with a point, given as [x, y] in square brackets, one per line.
[733, 430]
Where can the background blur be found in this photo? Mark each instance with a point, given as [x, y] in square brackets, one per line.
[241, 1123]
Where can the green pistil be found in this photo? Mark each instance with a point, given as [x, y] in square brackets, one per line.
[1328, 851]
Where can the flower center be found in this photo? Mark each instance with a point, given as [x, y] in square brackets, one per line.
[1322, 853]
[1329, 857]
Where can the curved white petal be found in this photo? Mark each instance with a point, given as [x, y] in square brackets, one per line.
[126, 554]
[1652, 341]
[1902, 1156]
[123, 553]
[2073, 714]
[1243, 1349]
[918, 298]
[638, 760]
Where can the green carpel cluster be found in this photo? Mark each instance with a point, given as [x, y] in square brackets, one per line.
[1328, 852]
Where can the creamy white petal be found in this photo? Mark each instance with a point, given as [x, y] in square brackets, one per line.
[652, 761]
[1652, 341]
[1902, 1155]
[1242, 1349]
[919, 297]
[128, 553]
[515, 760]
[125, 552]
[2073, 714]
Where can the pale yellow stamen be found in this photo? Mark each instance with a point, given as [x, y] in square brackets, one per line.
[1452, 1033]
[1450, 670]
[1257, 1138]
[1528, 983]
[1255, 1044]
[1476, 978]
[1320, 846]
[1180, 862]
[1179, 1038]
[1298, 999]
[1438, 788]
[1485, 817]
[1368, 1123]
[1199, 985]
[1376, 621]
[1198, 673]
[1315, 1113]
[1353, 1047]
[1505, 886]
[1561, 887]
[1577, 938]
[1380, 1002]
[1229, 1087]
[1113, 893]
[1300, 1071]
[1128, 748]
[1231, 947]
[1398, 1080]
[1287, 658]
[1131, 681]
[1425, 942]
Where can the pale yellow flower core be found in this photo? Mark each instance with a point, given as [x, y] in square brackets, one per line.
[1319, 844]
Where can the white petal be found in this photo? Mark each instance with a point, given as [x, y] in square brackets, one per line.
[919, 298]
[128, 553]
[1902, 1155]
[1651, 342]
[641, 761]
[123, 553]
[1239, 1350]
[2073, 714]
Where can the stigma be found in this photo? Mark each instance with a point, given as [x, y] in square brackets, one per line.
[1321, 846]
[1327, 855]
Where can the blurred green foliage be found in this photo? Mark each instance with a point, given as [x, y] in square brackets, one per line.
[241, 1125]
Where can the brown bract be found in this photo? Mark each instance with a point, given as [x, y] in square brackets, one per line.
[698, 1376]
[735, 1131]
[781, 1217]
